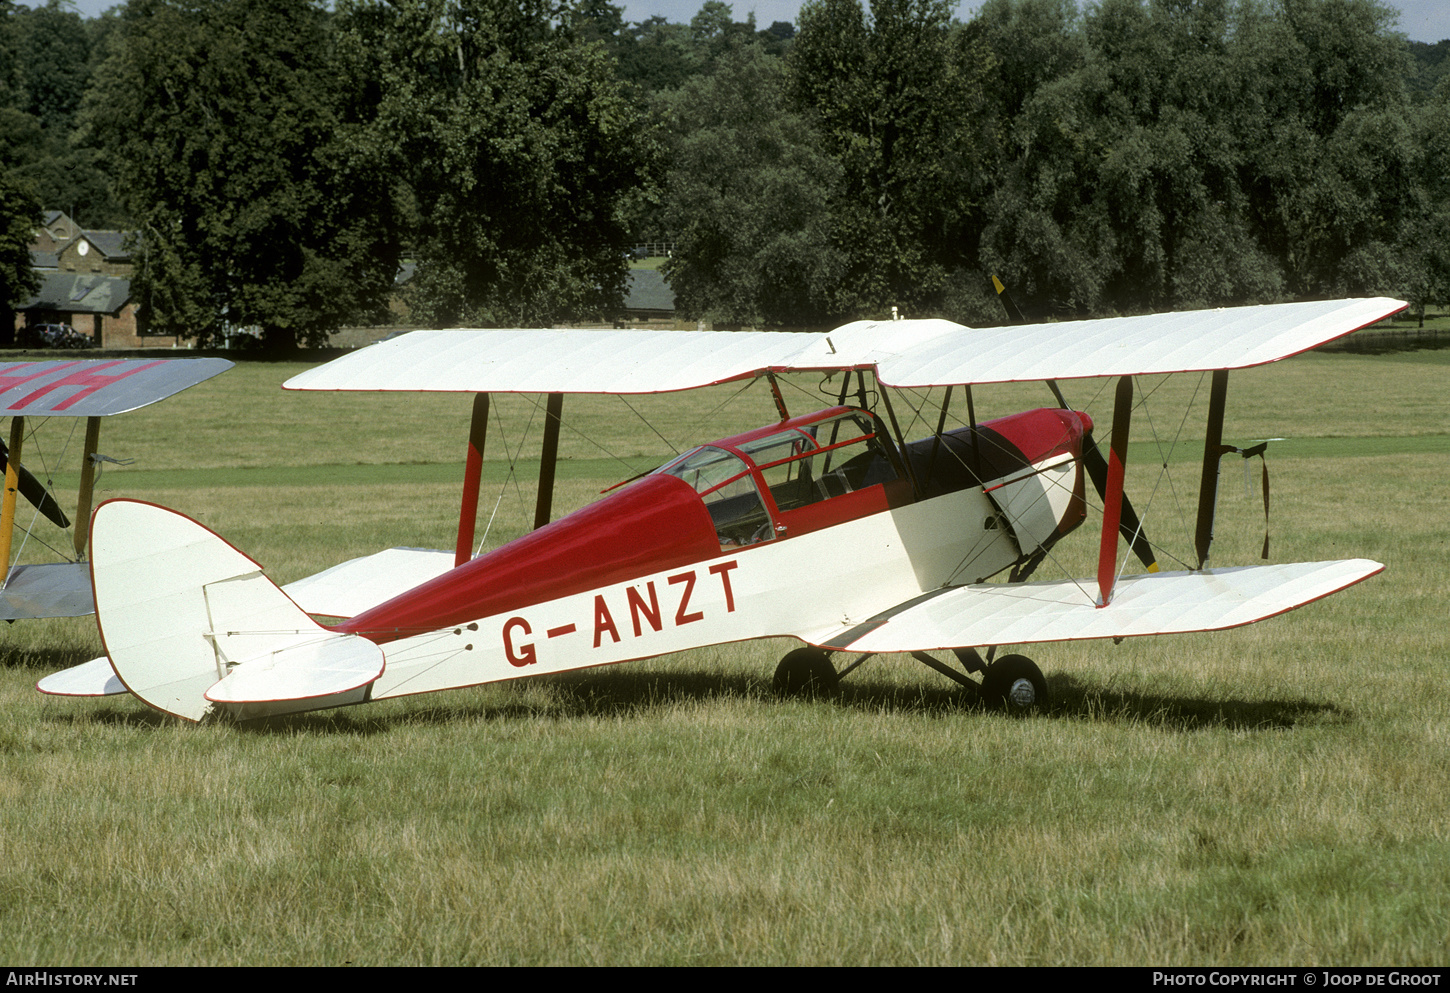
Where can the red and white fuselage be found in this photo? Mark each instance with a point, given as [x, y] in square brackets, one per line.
[647, 571]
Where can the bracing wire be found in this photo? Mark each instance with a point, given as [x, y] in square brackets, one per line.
[511, 475]
[537, 405]
[31, 430]
[645, 420]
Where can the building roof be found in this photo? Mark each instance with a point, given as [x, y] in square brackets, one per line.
[51, 218]
[111, 244]
[80, 293]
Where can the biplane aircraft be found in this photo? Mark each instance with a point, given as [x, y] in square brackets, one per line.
[31, 392]
[829, 527]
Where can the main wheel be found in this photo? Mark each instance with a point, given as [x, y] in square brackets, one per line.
[805, 672]
[1014, 682]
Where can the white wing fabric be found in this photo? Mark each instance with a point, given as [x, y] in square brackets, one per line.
[904, 353]
[1161, 603]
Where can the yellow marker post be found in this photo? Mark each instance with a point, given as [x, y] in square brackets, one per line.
[12, 486]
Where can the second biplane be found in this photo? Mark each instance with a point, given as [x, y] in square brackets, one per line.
[831, 527]
[70, 390]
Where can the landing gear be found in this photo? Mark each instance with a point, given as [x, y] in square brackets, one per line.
[1014, 683]
[806, 672]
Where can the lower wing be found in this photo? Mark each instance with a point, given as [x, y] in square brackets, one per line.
[1067, 610]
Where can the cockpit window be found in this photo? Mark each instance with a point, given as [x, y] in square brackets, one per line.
[800, 466]
[787, 473]
[728, 490]
[827, 459]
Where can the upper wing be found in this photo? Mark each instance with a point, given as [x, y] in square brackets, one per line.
[1165, 603]
[1191, 341]
[472, 360]
[97, 387]
[904, 353]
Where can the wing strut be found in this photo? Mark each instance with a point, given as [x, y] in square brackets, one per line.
[1213, 449]
[1113, 498]
[88, 484]
[916, 489]
[941, 423]
[1129, 526]
[779, 400]
[976, 443]
[7, 502]
[548, 459]
[472, 472]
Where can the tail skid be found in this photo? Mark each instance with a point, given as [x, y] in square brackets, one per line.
[189, 621]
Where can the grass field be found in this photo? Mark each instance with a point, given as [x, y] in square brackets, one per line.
[1271, 795]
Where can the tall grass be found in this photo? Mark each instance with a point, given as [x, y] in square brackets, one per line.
[1274, 794]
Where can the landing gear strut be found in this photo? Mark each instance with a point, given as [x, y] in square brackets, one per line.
[1013, 682]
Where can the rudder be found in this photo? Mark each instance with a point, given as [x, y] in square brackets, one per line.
[180, 610]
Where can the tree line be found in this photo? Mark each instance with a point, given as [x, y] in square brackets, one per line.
[281, 159]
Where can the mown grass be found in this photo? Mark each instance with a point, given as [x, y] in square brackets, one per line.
[1274, 794]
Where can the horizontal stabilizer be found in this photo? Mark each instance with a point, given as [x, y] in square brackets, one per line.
[360, 584]
[1066, 610]
[322, 666]
[93, 678]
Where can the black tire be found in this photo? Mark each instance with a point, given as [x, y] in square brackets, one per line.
[806, 672]
[1014, 683]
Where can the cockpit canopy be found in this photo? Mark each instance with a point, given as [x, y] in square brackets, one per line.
[753, 484]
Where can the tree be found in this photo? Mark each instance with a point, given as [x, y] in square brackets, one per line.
[44, 69]
[54, 51]
[257, 203]
[656, 55]
[518, 147]
[19, 217]
[747, 199]
[1330, 172]
[1200, 153]
[9, 53]
[899, 102]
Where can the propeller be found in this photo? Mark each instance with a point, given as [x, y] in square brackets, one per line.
[34, 491]
[1092, 458]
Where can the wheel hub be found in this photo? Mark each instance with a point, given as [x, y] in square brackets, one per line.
[1022, 693]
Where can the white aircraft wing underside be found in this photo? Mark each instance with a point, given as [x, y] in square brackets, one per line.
[49, 589]
[915, 353]
[1066, 610]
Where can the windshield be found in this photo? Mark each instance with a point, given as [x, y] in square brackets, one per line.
[728, 490]
[800, 466]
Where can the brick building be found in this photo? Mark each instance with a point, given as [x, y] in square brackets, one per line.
[85, 283]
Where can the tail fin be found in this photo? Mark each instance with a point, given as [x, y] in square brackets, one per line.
[188, 620]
